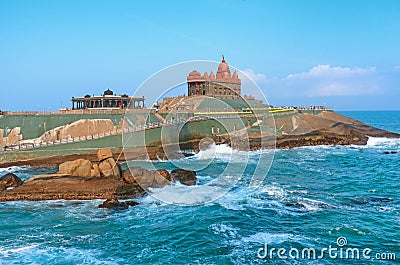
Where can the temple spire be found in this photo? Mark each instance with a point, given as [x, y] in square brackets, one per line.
[223, 58]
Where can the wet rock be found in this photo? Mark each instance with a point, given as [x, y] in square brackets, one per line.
[127, 177]
[131, 203]
[114, 204]
[110, 169]
[104, 153]
[147, 178]
[295, 204]
[9, 180]
[375, 199]
[161, 178]
[165, 174]
[390, 152]
[76, 168]
[366, 200]
[143, 177]
[186, 177]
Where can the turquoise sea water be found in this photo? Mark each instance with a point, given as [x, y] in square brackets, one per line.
[310, 197]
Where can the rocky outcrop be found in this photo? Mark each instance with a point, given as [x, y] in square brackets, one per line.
[109, 169]
[143, 177]
[13, 137]
[114, 204]
[305, 129]
[104, 153]
[161, 178]
[158, 178]
[147, 178]
[95, 171]
[60, 186]
[127, 177]
[186, 177]
[2, 142]
[80, 128]
[9, 180]
[77, 168]
[82, 179]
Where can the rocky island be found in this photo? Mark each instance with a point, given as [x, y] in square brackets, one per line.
[88, 142]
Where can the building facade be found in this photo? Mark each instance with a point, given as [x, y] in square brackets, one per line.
[107, 101]
[221, 85]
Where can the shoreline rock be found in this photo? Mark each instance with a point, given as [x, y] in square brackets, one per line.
[76, 181]
[186, 177]
[114, 204]
[9, 180]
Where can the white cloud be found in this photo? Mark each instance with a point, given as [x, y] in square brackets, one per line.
[325, 80]
[256, 77]
[327, 71]
[334, 86]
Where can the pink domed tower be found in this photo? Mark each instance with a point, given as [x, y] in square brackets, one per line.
[223, 85]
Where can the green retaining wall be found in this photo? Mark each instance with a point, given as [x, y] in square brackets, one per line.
[33, 126]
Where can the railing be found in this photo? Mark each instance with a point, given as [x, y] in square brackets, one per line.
[70, 111]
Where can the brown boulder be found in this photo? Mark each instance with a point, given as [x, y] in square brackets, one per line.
[147, 178]
[165, 174]
[143, 177]
[161, 178]
[104, 153]
[110, 169]
[186, 177]
[127, 177]
[95, 172]
[10, 180]
[131, 203]
[76, 168]
[114, 204]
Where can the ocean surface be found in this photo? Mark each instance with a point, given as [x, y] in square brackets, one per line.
[312, 198]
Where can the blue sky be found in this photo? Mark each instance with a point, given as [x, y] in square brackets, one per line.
[344, 54]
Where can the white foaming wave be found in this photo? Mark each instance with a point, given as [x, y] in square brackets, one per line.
[311, 205]
[234, 200]
[242, 198]
[382, 142]
[185, 195]
[226, 230]
[6, 170]
[31, 253]
[274, 191]
[386, 209]
[222, 151]
[272, 238]
[7, 252]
